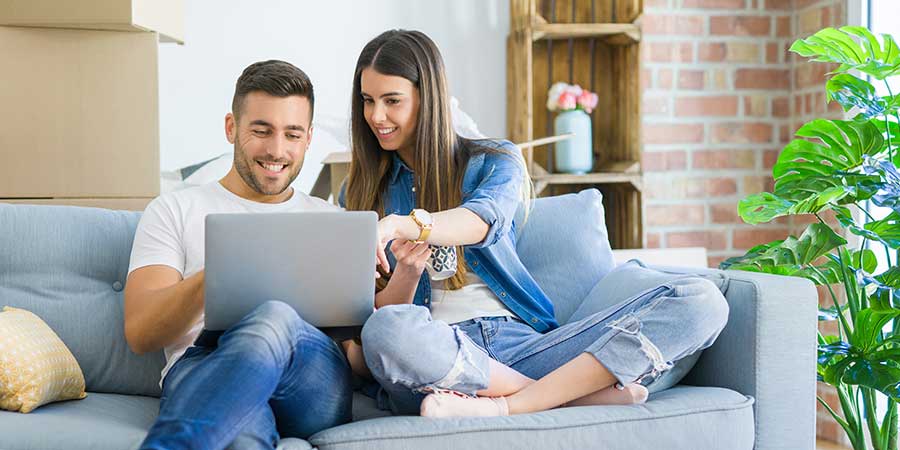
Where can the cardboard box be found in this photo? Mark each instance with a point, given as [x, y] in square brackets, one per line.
[79, 114]
[165, 17]
[128, 204]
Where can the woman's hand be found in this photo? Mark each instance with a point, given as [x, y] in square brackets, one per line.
[386, 232]
[411, 257]
[390, 228]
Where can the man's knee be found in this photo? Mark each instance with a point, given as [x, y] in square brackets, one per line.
[273, 324]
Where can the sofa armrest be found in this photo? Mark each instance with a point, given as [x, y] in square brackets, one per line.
[767, 350]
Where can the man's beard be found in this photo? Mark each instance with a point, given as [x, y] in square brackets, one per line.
[242, 164]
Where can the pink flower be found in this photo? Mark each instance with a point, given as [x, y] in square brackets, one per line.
[567, 100]
[588, 101]
[574, 89]
[565, 97]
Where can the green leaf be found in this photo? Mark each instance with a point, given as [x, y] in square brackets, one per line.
[890, 278]
[882, 290]
[813, 176]
[887, 354]
[845, 144]
[883, 126]
[868, 327]
[868, 258]
[851, 92]
[887, 230]
[808, 195]
[764, 207]
[879, 376]
[833, 372]
[892, 103]
[788, 257]
[837, 46]
[830, 45]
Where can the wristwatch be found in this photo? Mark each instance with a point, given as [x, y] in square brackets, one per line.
[423, 219]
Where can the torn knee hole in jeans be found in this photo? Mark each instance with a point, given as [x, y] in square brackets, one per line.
[630, 324]
[464, 374]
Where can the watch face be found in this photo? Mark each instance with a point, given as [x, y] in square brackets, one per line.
[423, 216]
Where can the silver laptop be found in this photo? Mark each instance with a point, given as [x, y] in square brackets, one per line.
[321, 263]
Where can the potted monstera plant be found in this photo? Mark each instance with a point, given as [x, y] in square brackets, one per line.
[845, 166]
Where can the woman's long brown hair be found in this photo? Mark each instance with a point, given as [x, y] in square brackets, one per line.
[441, 156]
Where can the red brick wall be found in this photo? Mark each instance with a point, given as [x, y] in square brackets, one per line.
[721, 97]
[716, 109]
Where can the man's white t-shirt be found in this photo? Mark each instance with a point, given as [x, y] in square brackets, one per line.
[171, 233]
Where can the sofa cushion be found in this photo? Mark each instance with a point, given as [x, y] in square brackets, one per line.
[68, 265]
[36, 368]
[100, 421]
[565, 246]
[683, 417]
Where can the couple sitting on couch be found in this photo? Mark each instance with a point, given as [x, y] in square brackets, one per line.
[483, 342]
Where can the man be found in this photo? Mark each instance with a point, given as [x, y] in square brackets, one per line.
[271, 375]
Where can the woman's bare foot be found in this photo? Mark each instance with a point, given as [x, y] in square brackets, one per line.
[447, 403]
[632, 394]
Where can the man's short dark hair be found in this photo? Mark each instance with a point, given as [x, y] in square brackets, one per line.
[274, 77]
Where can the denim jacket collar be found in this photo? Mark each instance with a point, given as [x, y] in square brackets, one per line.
[397, 167]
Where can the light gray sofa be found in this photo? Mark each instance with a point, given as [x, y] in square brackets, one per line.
[754, 388]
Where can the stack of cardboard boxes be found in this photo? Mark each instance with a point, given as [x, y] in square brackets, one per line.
[79, 100]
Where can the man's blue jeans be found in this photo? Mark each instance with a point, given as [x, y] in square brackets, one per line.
[272, 375]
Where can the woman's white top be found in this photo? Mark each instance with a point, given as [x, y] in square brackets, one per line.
[474, 299]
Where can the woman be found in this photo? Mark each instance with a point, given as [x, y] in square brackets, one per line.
[484, 342]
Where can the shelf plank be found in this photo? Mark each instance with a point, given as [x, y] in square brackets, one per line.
[621, 166]
[549, 31]
[588, 178]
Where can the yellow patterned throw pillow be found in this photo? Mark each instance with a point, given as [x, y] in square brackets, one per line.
[36, 368]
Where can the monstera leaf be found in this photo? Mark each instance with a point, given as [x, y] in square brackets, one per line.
[885, 231]
[845, 145]
[888, 194]
[790, 256]
[866, 360]
[883, 292]
[838, 46]
[811, 176]
[851, 92]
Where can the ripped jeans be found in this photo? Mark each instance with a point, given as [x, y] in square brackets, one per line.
[637, 340]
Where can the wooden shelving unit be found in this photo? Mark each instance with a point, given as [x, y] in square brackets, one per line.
[593, 43]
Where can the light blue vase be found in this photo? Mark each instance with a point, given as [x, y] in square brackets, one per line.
[575, 155]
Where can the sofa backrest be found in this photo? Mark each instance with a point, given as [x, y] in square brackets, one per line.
[68, 265]
[565, 246]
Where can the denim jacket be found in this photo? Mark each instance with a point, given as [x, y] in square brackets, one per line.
[491, 189]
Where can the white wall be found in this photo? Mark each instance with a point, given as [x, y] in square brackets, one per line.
[324, 39]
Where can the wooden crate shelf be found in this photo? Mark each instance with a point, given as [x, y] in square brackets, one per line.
[592, 43]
